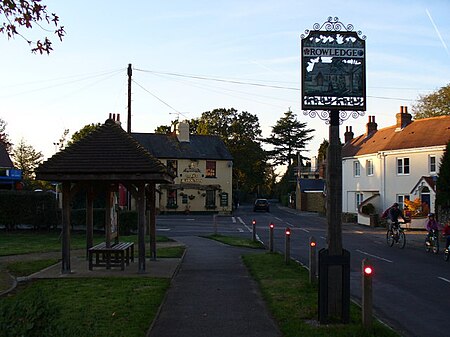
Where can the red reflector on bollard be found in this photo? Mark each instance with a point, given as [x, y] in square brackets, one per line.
[288, 232]
[253, 222]
[271, 225]
[312, 244]
[368, 271]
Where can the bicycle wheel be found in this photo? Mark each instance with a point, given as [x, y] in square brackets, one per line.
[390, 238]
[446, 254]
[435, 246]
[401, 239]
[427, 245]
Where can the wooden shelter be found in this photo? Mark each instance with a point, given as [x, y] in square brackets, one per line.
[98, 162]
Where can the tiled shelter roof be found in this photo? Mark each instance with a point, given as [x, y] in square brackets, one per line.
[108, 153]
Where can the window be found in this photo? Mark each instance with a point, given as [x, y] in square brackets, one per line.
[369, 166]
[359, 197]
[432, 160]
[210, 169]
[401, 200]
[402, 166]
[356, 169]
[172, 198]
[172, 167]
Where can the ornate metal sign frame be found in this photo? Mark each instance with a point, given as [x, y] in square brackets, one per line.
[333, 69]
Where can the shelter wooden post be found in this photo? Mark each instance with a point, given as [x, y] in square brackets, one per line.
[65, 263]
[152, 209]
[89, 218]
[141, 225]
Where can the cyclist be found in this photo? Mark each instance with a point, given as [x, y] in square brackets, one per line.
[394, 213]
[431, 224]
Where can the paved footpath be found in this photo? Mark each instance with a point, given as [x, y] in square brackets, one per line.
[213, 295]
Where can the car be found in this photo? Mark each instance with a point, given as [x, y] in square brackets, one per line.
[261, 205]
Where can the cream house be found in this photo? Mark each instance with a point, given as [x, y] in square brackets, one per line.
[202, 166]
[393, 164]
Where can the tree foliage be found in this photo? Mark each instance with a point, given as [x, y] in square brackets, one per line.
[83, 132]
[433, 105]
[443, 181]
[19, 15]
[288, 137]
[26, 158]
[4, 137]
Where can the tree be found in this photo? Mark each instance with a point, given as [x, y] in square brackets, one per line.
[322, 152]
[443, 180]
[288, 137]
[83, 132]
[23, 14]
[433, 105]
[4, 137]
[26, 158]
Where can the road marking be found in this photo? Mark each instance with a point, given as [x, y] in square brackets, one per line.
[163, 229]
[233, 219]
[278, 219]
[374, 256]
[240, 230]
[241, 221]
[323, 237]
[443, 279]
[305, 230]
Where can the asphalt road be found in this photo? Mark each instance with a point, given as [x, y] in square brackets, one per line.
[411, 288]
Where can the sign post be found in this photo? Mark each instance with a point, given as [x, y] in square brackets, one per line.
[333, 88]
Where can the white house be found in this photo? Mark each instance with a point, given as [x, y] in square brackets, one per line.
[393, 164]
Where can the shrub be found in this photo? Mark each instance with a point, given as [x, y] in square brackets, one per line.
[127, 222]
[368, 209]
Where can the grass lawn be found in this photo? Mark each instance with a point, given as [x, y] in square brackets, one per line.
[25, 268]
[83, 307]
[293, 300]
[23, 242]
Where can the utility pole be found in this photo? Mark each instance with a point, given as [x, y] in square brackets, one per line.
[129, 73]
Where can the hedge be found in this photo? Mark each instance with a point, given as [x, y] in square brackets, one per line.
[38, 209]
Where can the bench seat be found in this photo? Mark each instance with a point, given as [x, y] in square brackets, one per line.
[117, 255]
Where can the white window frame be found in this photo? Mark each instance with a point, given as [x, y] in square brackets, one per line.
[403, 169]
[401, 200]
[432, 164]
[356, 168]
[359, 198]
[369, 167]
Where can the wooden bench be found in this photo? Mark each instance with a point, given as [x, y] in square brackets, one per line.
[117, 255]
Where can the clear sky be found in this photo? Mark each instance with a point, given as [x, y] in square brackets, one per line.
[84, 78]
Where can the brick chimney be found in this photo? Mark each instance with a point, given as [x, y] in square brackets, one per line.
[348, 135]
[114, 118]
[403, 118]
[371, 126]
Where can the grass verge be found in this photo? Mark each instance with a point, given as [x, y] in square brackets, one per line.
[25, 268]
[83, 307]
[293, 300]
[236, 241]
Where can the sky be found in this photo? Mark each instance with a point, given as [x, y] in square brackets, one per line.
[189, 57]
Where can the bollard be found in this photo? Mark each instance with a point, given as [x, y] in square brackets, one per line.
[254, 230]
[287, 246]
[367, 274]
[312, 260]
[271, 226]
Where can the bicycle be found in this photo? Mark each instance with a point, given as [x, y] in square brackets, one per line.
[447, 253]
[396, 234]
[432, 241]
